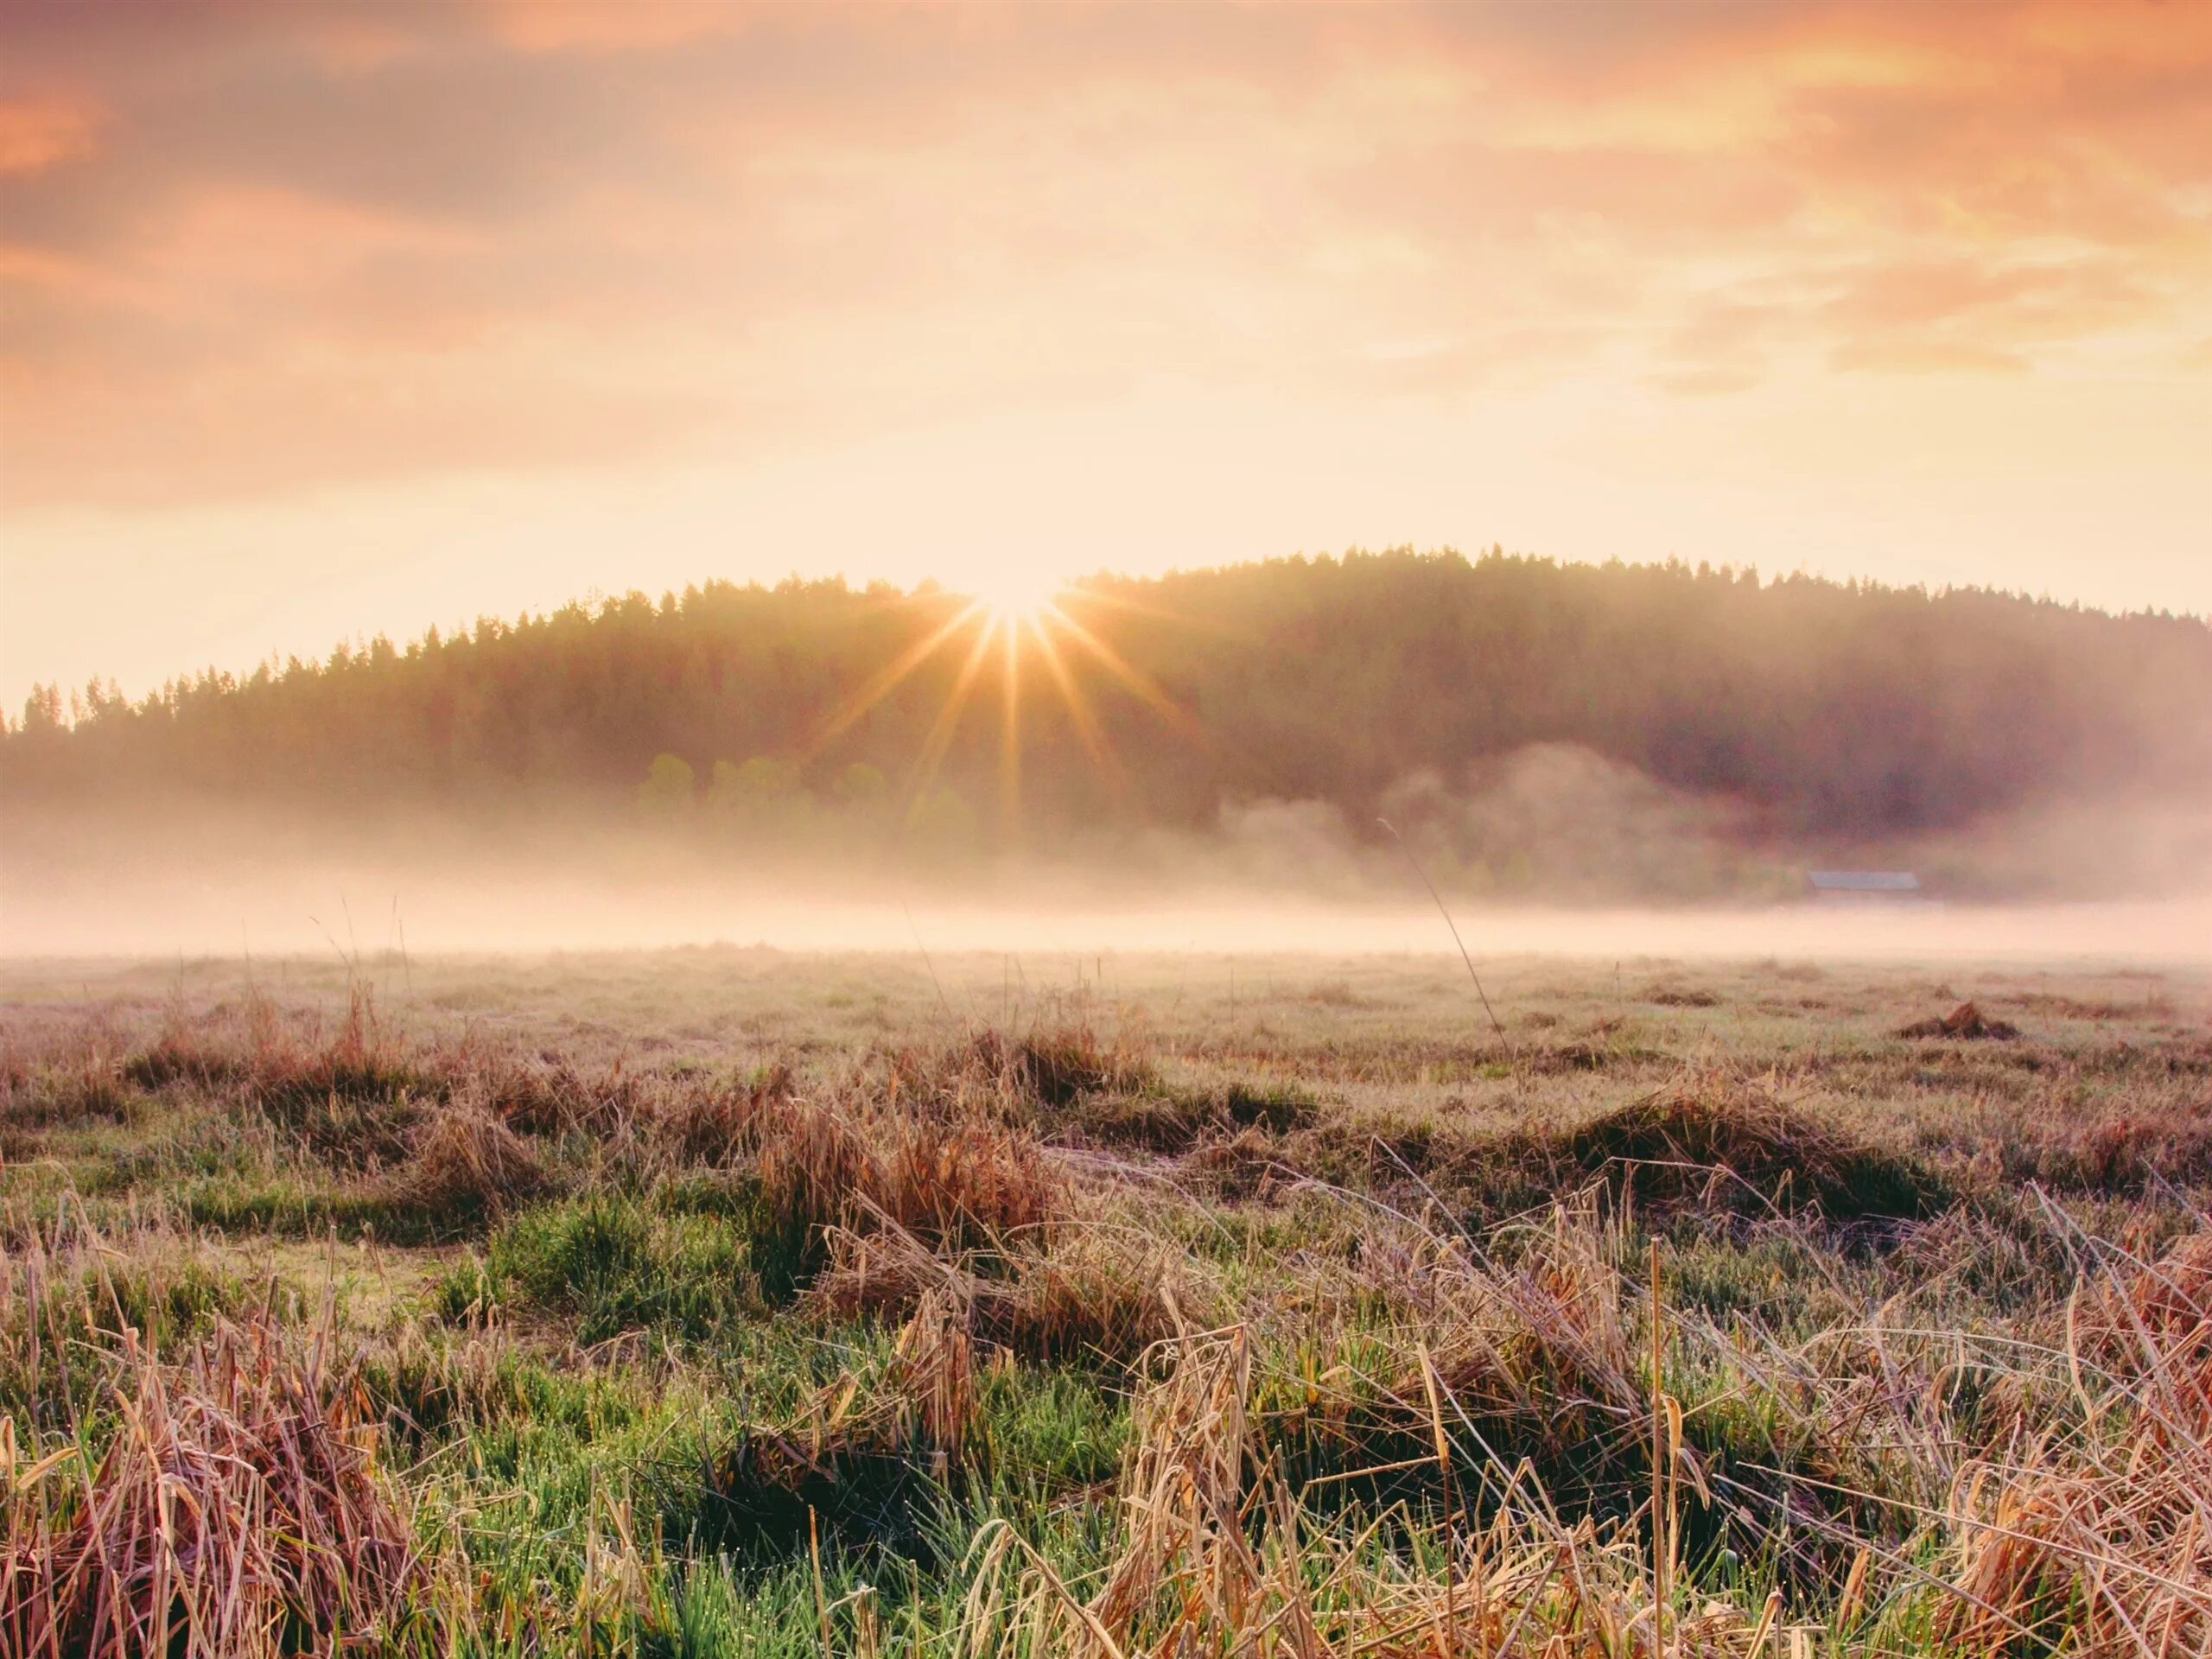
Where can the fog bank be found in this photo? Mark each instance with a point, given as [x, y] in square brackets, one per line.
[1551, 850]
[358, 911]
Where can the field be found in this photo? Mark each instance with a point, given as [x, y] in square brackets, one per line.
[729, 1302]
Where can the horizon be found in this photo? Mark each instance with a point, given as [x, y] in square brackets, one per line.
[278, 663]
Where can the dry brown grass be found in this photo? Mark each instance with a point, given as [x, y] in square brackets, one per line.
[281, 1057]
[1714, 1135]
[1013, 1076]
[1965, 1023]
[1100, 1294]
[961, 1184]
[2102, 1536]
[237, 1511]
[1214, 1557]
[1384, 1309]
[463, 1160]
[713, 1125]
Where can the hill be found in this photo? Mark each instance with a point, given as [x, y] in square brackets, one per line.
[1845, 714]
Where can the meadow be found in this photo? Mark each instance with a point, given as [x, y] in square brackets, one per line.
[731, 1302]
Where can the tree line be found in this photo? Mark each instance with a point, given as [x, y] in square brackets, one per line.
[1841, 710]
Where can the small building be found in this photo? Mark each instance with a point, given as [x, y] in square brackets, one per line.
[1864, 886]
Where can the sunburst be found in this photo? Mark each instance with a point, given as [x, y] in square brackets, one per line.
[1012, 619]
[1019, 599]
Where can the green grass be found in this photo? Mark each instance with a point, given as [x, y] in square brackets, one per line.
[629, 1402]
[612, 1262]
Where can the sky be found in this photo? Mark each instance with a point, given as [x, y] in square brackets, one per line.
[322, 320]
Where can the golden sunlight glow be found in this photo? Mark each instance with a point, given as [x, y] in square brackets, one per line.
[1007, 619]
[1018, 597]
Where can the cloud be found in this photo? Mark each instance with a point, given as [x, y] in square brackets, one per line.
[42, 132]
[341, 243]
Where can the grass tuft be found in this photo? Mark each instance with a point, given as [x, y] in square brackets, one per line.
[463, 1163]
[863, 1459]
[237, 1511]
[1709, 1136]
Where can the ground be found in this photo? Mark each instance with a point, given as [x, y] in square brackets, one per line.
[730, 1301]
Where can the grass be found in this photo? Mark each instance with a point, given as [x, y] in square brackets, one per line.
[235, 1508]
[728, 1304]
[608, 1264]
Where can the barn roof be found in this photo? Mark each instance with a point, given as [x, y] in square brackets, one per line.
[1864, 881]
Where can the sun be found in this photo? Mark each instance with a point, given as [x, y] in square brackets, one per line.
[1014, 598]
[1031, 634]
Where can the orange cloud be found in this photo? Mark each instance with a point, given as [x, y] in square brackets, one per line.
[43, 132]
[633, 26]
[750, 229]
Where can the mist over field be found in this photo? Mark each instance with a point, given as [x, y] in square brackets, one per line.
[1574, 758]
[1276, 877]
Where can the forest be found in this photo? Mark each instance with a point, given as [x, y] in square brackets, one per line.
[1807, 710]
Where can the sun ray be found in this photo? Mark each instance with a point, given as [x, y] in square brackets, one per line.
[1146, 689]
[1079, 712]
[1017, 615]
[947, 721]
[1138, 607]
[881, 684]
[1009, 629]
